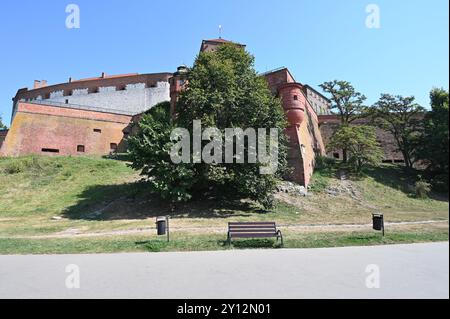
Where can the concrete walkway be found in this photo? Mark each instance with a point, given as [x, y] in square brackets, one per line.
[400, 271]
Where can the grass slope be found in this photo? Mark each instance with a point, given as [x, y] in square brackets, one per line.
[92, 194]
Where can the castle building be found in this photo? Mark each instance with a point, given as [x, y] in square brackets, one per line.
[96, 115]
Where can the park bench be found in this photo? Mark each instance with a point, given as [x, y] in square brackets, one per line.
[253, 230]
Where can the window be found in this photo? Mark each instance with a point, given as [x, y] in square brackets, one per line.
[67, 101]
[97, 130]
[336, 155]
[50, 150]
[295, 97]
[80, 148]
[113, 147]
[387, 161]
[399, 161]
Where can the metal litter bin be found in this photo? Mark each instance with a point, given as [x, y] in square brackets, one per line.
[161, 225]
[378, 222]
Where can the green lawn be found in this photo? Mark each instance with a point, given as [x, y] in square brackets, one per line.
[209, 242]
[53, 196]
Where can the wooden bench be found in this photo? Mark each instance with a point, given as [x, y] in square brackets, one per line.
[253, 230]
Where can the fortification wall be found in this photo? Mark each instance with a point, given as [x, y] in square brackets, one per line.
[50, 130]
[129, 94]
[330, 123]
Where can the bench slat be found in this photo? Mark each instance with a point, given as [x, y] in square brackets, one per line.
[251, 227]
[250, 235]
[253, 231]
[250, 223]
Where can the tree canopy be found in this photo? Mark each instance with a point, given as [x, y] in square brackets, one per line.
[403, 118]
[224, 91]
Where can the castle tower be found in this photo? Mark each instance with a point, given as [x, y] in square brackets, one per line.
[294, 105]
[177, 84]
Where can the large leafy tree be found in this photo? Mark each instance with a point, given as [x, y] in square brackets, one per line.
[361, 143]
[346, 101]
[403, 118]
[149, 151]
[223, 91]
[435, 141]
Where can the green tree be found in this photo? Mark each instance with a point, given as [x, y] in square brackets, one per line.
[149, 151]
[403, 118]
[361, 143]
[435, 140]
[2, 126]
[223, 91]
[348, 103]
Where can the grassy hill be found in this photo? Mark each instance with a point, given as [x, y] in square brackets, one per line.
[71, 204]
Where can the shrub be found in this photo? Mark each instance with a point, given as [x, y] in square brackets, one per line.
[422, 189]
[324, 162]
[13, 167]
[31, 164]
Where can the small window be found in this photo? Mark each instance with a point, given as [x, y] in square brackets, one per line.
[67, 101]
[50, 150]
[113, 147]
[387, 161]
[336, 155]
[295, 97]
[97, 130]
[399, 161]
[80, 148]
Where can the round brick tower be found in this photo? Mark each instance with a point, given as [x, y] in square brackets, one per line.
[294, 102]
[294, 105]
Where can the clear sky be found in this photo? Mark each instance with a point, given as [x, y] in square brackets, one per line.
[318, 40]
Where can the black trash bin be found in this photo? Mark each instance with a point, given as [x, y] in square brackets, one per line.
[378, 222]
[161, 226]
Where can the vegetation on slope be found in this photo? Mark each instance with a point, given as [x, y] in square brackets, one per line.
[48, 201]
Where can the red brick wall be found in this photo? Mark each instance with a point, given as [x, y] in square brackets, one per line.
[330, 123]
[37, 127]
[3, 134]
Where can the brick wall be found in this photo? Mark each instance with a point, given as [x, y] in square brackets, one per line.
[40, 129]
[330, 123]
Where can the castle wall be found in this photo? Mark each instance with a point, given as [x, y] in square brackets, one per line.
[50, 130]
[330, 123]
[3, 134]
[134, 98]
[129, 94]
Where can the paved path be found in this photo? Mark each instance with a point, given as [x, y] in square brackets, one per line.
[405, 271]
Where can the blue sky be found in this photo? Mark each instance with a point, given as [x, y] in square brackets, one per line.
[318, 40]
